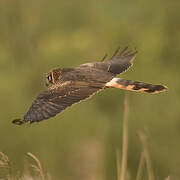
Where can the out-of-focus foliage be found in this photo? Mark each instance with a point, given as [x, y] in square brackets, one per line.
[36, 36]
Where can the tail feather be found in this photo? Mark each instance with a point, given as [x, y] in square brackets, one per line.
[135, 86]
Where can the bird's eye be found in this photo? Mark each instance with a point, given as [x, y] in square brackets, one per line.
[49, 78]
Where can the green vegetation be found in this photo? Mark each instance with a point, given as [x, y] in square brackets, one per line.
[36, 171]
[36, 36]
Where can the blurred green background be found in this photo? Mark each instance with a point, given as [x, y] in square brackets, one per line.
[36, 36]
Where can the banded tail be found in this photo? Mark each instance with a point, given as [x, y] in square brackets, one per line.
[135, 86]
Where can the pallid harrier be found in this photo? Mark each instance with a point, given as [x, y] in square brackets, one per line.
[68, 86]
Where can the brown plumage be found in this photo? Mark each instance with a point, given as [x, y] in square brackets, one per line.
[68, 86]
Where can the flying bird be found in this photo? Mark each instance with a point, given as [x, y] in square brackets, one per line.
[67, 86]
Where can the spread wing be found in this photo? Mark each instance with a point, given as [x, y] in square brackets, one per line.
[53, 101]
[118, 63]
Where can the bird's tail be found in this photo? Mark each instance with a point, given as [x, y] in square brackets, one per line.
[135, 86]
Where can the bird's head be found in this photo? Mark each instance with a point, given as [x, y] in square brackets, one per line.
[56, 74]
[52, 76]
[49, 78]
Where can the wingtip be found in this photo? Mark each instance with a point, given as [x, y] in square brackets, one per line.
[105, 56]
[131, 52]
[125, 52]
[116, 52]
[18, 121]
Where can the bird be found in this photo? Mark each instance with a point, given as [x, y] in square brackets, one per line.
[68, 86]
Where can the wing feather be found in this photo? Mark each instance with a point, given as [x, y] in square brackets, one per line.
[122, 61]
[53, 101]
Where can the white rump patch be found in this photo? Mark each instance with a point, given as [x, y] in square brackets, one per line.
[113, 82]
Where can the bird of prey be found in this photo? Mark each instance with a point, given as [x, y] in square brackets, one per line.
[67, 86]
